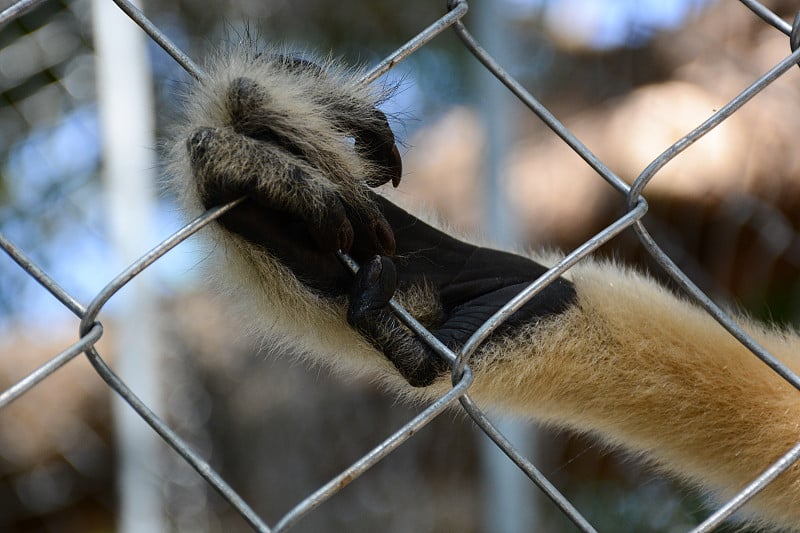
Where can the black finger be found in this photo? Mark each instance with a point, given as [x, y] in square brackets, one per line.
[372, 233]
[374, 140]
[368, 313]
[228, 165]
[373, 287]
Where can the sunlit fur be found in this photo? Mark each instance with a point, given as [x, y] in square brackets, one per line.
[303, 105]
[630, 363]
[645, 370]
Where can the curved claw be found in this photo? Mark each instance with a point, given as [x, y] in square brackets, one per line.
[397, 167]
[375, 142]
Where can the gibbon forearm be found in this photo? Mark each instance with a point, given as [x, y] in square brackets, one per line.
[652, 373]
[606, 351]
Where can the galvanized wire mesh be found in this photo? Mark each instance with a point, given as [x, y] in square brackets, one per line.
[91, 329]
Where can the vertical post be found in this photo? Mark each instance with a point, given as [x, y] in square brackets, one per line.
[125, 101]
[511, 500]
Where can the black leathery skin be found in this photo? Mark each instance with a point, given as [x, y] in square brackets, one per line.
[463, 272]
[397, 251]
[368, 312]
[372, 288]
[472, 282]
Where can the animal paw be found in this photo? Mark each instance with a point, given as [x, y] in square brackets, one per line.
[303, 157]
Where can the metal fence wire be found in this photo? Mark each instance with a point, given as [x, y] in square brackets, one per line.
[91, 330]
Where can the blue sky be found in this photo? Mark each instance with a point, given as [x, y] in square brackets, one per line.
[611, 23]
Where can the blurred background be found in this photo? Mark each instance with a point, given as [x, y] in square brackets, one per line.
[627, 77]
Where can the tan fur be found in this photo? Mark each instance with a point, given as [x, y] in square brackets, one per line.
[630, 362]
[654, 374]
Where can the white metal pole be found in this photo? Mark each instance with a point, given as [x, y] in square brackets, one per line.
[126, 112]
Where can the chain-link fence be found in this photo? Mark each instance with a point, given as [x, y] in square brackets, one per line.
[91, 330]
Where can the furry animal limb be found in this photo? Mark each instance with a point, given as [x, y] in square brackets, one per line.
[607, 351]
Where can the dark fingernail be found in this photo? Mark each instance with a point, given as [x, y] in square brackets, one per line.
[373, 269]
[346, 236]
[397, 166]
[385, 237]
